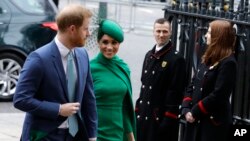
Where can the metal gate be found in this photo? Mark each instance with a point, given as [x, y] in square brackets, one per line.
[190, 23]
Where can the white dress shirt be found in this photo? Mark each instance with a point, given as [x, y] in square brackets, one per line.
[64, 51]
[157, 47]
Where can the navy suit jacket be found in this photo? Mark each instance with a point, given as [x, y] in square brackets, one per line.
[42, 87]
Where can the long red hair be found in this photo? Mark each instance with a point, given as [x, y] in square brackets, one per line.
[222, 42]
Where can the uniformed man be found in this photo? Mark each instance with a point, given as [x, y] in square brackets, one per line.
[163, 82]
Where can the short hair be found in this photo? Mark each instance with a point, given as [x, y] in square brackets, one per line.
[73, 14]
[162, 21]
[222, 42]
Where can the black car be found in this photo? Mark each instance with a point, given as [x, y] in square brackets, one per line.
[25, 25]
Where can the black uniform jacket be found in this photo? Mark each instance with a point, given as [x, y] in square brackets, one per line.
[207, 97]
[163, 77]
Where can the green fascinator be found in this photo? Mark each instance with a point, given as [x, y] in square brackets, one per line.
[112, 29]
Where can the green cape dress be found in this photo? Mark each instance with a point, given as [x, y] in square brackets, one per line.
[113, 93]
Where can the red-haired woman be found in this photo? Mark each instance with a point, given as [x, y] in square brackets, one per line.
[206, 104]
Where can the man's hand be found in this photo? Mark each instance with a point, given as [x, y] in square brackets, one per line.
[69, 109]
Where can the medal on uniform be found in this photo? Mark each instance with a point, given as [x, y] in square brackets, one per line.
[164, 64]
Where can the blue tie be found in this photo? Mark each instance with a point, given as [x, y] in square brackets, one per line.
[71, 77]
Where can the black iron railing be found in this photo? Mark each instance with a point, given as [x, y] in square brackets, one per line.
[189, 25]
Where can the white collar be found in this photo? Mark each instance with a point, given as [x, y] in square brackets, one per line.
[157, 47]
[62, 48]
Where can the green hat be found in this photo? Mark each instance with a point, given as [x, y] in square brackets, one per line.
[112, 29]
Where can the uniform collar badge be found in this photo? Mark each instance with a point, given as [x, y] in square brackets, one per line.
[164, 64]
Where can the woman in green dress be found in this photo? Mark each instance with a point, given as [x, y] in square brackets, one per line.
[112, 86]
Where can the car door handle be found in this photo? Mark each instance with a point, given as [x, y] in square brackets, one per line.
[1, 23]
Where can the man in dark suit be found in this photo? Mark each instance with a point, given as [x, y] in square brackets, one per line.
[58, 107]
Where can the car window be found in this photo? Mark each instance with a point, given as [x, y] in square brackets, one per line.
[34, 6]
[3, 8]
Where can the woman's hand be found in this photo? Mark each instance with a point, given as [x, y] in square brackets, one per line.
[189, 117]
[131, 136]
